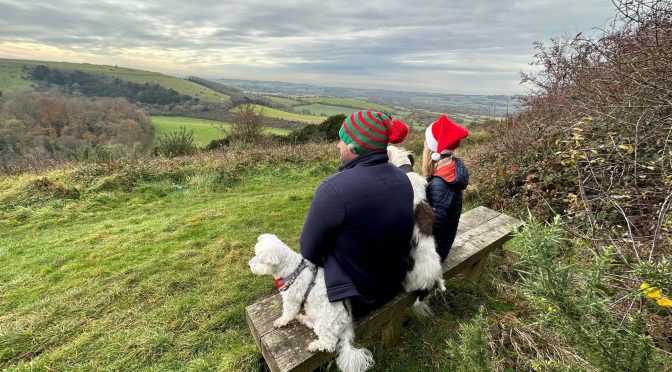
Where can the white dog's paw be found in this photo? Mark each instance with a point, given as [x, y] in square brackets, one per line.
[442, 285]
[316, 346]
[281, 322]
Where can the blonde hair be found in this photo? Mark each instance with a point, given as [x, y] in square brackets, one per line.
[430, 165]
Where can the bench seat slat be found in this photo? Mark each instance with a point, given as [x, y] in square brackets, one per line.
[480, 231]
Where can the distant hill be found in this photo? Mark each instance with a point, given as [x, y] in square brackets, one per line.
[13, 78]
[236, 95]
[400, 101]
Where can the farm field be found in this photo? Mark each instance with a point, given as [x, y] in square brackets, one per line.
[328, 110]
[274, 113]
[283, 100]
[349, 102]
[10, 77]
[204, 130]
[11, 68]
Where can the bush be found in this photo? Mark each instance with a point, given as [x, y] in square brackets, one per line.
[574, 298]
[591, 142]
[247, 127]
[326, 131]
[178, 143]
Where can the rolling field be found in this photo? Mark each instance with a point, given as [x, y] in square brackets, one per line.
[319, 109]
[204, 130]
[350, 102]
[283, 100]
[10, 78]
[11, 68]
[274, 113]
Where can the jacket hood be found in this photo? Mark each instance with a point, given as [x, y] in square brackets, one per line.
[454, 174]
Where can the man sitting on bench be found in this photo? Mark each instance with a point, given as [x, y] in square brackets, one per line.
[360, 222]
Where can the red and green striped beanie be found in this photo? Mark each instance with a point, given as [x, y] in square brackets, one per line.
[368, 131]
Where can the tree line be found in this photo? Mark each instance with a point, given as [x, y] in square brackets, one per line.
[42, 124]
[78, 82]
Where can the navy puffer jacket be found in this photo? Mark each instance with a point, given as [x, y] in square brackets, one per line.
[445, 197]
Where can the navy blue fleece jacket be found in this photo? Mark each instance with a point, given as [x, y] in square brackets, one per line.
[359, 228]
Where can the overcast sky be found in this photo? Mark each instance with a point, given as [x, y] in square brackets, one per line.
[458, 46]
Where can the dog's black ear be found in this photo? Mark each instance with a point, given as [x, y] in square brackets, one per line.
[412, 159]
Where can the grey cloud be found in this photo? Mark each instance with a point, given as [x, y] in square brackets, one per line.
[336, 41]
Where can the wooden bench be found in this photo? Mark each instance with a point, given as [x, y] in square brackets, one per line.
[481, 231]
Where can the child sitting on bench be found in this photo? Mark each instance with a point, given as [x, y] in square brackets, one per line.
[447, 177]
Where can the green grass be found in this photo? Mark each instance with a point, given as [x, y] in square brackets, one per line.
[283, 100]
[274, 113]
[145, 268]
[319, 109]
[156, 277]
[204, 130]
[349, 102]
[9, 68]
[152, 279]
[10, 78]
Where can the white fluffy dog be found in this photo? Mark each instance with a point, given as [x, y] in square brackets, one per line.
[330, 321]
[427, 271]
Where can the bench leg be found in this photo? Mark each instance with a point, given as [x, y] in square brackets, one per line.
[473, 272]
[392, 330]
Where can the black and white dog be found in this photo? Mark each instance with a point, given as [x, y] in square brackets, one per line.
[426, 272]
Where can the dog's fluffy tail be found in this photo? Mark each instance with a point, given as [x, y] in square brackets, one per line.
[421, 309]
[351, 359]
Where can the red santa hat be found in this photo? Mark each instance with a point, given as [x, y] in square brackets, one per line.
[443, 136]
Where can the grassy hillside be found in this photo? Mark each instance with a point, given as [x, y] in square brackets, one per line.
[283, 100]
[204, 130]
[320, 109]
[275, 113]
[147, 269]
[10, 77]
[349, 102]
[10, 71]
[141, 264]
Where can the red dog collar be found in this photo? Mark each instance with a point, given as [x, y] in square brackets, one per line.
[279, 283]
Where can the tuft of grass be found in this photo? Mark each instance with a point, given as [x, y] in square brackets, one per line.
[470, 350]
